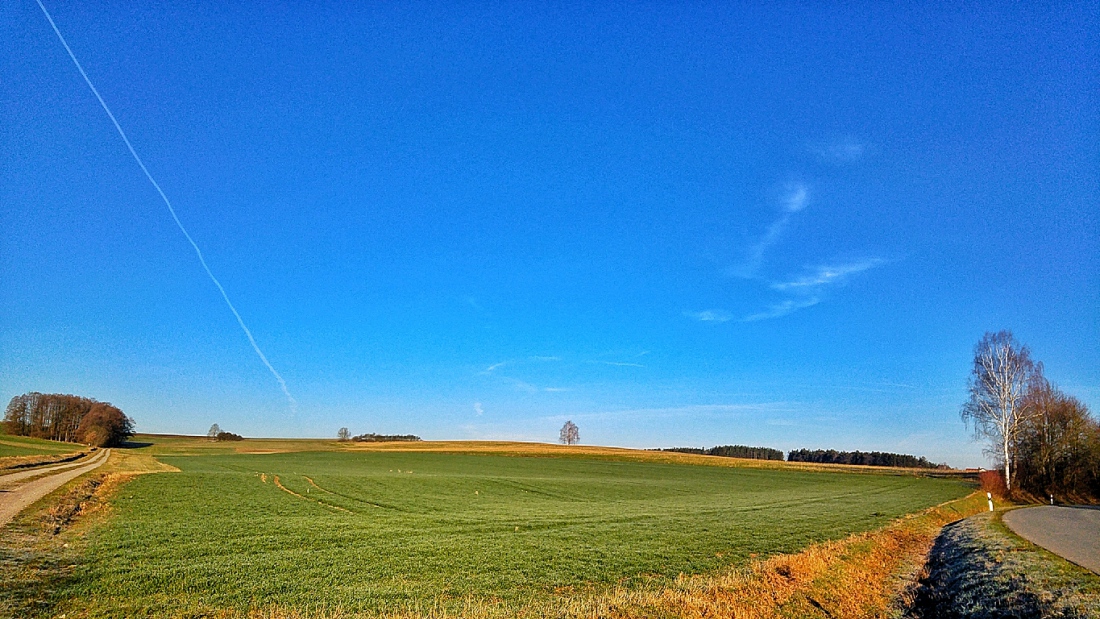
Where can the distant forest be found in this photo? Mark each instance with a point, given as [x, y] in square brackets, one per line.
[869, 458]
[825, 456]
[733, 451]
[70, 418]
[384, 438]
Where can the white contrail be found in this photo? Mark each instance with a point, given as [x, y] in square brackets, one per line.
[240, 321]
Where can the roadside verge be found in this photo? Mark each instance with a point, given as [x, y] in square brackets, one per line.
[979, 568]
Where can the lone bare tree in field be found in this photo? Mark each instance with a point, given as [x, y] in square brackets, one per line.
[570, 435]
[343, 435]
[213, 432]
[999, 382]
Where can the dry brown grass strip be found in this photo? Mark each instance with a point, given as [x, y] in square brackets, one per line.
[71, 504]
[126, 461]
[861, 576]
[549, 450]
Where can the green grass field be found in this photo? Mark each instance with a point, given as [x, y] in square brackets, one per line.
[26, 446]
[391, 530]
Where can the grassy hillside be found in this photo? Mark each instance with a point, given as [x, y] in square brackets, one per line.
[25, 446]
[377, 529]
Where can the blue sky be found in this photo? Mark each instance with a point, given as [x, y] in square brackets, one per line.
[689, 224]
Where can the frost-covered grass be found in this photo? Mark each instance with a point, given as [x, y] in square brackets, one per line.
[978, 568]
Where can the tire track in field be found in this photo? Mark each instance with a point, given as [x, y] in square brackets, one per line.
[280, 486]
[514, 484]
[558, 521]
[350, 498]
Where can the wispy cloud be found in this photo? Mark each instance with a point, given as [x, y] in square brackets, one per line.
[494, 367]
[711, 315]
[618, 364]
[524, 386]
[794, 198]
[807, 289]
[477, 409]
[840, 151]
[782, 309]
[510, 362]
[518, 366]
[826, 275]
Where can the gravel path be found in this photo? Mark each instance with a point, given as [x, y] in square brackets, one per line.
[10, 478]
[14, 500]
[1069, 532]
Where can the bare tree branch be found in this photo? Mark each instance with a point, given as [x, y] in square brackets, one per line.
[999, 380]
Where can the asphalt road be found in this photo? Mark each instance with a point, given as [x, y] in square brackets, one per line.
[1069, 532]
[14, 500]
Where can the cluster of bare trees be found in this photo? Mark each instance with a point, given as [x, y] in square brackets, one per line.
[71, 418]
[1046, 441]
[215, 433]
[1057, 451]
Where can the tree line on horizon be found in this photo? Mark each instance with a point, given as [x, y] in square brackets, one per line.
[732, 451]
[370, 437]
[68, 418]
[865, 458]
[822, 456]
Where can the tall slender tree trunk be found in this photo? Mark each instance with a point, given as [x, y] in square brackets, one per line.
[1008, 468]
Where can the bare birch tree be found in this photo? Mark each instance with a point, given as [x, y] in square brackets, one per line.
[570, 435]
[999, 382]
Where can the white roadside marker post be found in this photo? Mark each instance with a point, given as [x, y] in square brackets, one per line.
[989, 495]
[1052, 499]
